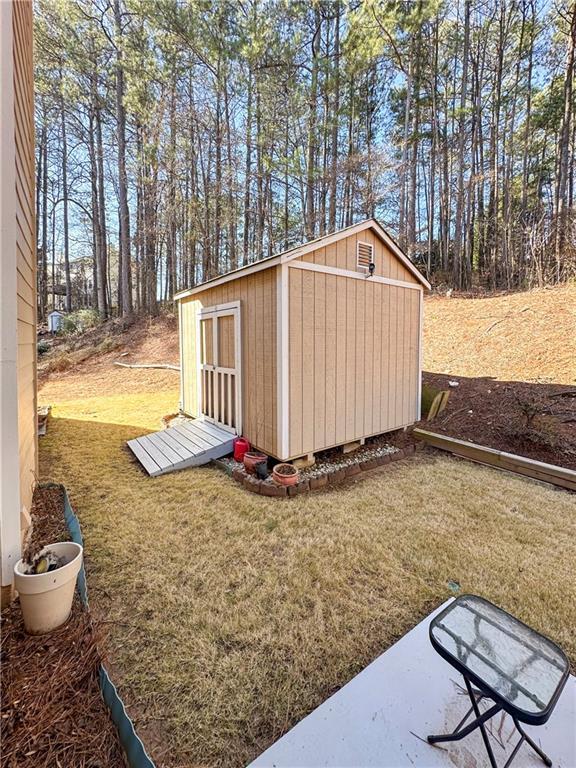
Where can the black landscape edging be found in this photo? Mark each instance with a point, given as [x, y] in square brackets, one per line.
[134, 749]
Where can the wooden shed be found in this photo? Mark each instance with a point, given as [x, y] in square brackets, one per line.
[315, 347]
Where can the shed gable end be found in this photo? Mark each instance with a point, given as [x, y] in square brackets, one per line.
[351, 253]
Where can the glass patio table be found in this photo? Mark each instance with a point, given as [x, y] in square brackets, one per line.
[502, 660]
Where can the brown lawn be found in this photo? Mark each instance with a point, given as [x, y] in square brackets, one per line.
[231, 616]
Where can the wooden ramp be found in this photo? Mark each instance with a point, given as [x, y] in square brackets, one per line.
[189, 444]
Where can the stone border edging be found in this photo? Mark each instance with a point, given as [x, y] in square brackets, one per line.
[266, 488]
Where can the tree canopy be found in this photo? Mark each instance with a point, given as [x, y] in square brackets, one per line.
[178, 139]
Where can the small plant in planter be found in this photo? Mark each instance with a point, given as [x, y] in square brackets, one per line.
[251, 459]
[46, 585]
[285, 474]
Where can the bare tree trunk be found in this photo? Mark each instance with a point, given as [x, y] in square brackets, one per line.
[65, 205]
[310, 216]
[214, 265]
[286, 184]
[103, 306]
[402, 218]
[53, 260]
[564, 150]
[230, 187]
[260, 209]
[43, 271]
[247, 176]
[124, 277]
[433, 150]
[457, 267]
[347, 202]
[99, 263]
[171, 201]
[494, 197]
[411, 230]
[334, 126]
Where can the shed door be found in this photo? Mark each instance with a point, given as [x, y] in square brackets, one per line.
[219, 369]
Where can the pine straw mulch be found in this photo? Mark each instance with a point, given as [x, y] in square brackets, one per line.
[535, 420]
[52, 714]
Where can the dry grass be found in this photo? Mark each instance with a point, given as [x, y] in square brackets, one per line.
[232, 615]
[525, 336]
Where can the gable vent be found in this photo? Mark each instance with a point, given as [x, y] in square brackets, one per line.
[364, 255]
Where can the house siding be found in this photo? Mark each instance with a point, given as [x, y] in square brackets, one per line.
[25, 245]
[17, 284]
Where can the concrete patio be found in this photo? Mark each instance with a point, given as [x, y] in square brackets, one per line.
[383, 715]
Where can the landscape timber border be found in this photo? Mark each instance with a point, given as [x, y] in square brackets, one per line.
[510, 462]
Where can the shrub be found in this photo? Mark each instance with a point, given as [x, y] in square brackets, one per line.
[42, 347]
[534, 425]
[79, 321]
[428, 395]
[59, 363]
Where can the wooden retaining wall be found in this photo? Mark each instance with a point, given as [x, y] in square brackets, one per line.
[538, 470]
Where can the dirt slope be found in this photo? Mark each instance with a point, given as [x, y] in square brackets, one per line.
[83, 366]
[514, 358]
[528, 336]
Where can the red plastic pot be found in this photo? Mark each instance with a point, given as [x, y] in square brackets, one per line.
[251, 458]
[241, 446]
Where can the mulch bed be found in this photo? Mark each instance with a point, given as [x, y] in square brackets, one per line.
[52, 713]
[530, 419]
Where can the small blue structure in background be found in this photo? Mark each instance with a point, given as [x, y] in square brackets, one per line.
[55, 320]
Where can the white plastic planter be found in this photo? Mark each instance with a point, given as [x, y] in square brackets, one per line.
[46, 598]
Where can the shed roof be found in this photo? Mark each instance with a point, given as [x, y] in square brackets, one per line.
[301, 250]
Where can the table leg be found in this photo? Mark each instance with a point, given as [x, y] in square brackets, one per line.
[479, 696]
[481, 725]
[457, 735]
[481, 719]
[534, 746]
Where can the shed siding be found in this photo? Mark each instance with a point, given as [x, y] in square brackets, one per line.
[25, 247]
[258, 301]
[342, 255]
[354, 359]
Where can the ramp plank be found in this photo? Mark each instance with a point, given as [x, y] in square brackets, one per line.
[170, 455]
[188, 440]
[158, 455]
[189, 444]
[200, 438]
[214, 430]
[168, 437]
[143, 457]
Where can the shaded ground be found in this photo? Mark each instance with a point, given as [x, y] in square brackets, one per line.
[533, 420]
[52, 710]
[232, 616]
